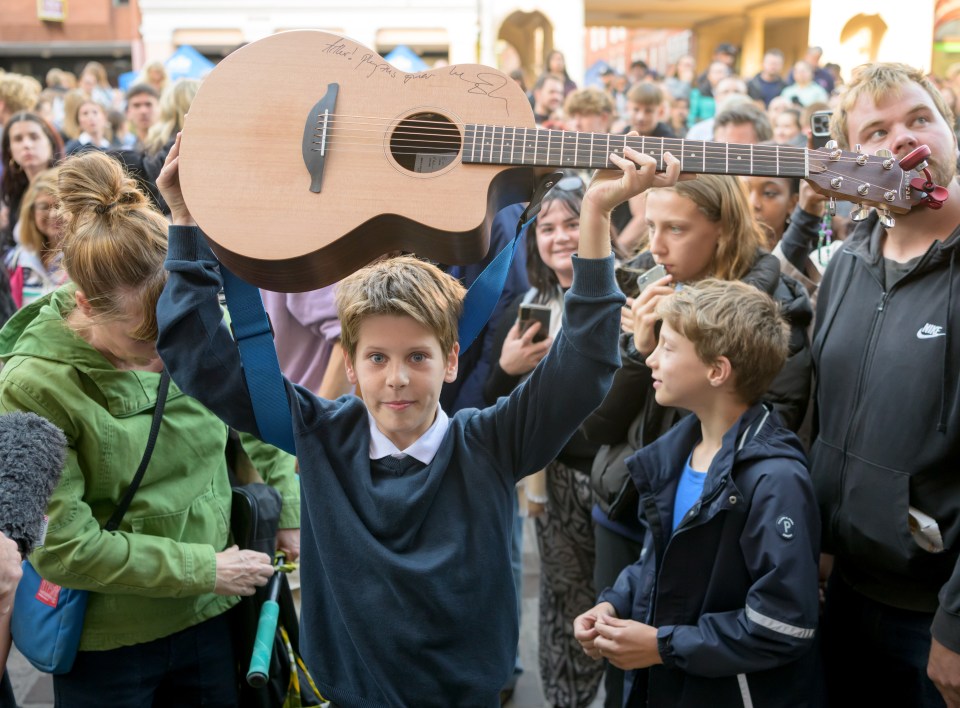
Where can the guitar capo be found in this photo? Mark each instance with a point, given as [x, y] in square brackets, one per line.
[933, 194]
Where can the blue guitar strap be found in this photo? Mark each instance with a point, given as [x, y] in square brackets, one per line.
[254, 335]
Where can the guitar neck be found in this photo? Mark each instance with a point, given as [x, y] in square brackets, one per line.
[533, 147]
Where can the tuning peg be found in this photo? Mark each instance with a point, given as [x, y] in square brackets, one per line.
[861, 156]
[859, 213]
[887, 158]
[886, 218]
[830, 145]
[832, 206]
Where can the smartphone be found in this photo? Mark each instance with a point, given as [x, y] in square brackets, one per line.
[535, 313]
[820, 128]
[651, 276]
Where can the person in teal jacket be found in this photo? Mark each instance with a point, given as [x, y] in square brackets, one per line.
[84, 357]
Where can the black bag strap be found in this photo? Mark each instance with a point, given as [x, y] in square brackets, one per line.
[114, 523]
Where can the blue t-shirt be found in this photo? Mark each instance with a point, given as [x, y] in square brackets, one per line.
[688, 491]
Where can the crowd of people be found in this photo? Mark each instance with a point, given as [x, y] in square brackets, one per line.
[734, 426]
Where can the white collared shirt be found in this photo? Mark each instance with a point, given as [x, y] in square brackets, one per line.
[423, 449]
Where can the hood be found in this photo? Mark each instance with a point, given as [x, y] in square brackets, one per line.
[866, 242]
[40, 331]
[757, 435]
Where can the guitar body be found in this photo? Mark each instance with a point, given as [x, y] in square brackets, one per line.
[391, 174]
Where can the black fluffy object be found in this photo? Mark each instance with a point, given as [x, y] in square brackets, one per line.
[32, 454]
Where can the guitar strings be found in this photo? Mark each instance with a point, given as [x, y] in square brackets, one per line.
[713, 154]
[379, 148]
[451, 127]
[761, 153]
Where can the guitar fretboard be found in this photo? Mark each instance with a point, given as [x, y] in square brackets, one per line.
[533, 147]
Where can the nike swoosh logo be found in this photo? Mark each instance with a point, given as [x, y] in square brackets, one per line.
[923, 335]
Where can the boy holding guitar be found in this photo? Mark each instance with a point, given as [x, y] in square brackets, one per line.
[407, 515]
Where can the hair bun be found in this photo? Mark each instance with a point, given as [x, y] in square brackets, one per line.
[93, 184]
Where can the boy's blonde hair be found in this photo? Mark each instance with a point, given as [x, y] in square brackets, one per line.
[880, 80]
[588, 101]
[734, 320]
[404, 286]
[645, 93]
[114, 241]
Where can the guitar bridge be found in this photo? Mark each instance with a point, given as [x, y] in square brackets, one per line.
[316, 136]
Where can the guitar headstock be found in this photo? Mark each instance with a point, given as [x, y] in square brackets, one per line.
[871, 180]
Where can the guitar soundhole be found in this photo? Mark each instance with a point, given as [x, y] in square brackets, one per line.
[425, 142]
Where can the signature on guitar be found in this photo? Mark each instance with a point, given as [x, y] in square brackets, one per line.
[485, 84]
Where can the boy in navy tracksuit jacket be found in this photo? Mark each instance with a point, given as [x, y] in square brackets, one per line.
[721, 608]
[408, 595]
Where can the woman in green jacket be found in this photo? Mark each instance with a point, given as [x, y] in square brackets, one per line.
[84, 357]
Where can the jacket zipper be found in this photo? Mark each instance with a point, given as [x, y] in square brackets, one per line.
[858, 397]
[684, 525]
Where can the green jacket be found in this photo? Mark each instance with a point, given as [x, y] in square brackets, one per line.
[156, 574]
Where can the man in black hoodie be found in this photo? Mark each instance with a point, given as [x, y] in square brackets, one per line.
[886, 459]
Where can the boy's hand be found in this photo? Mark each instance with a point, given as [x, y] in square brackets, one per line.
[637, 174]
[627, 644]
[168, 182]
[584, 627]
[520, 353]
[643, 314]
[288, 542]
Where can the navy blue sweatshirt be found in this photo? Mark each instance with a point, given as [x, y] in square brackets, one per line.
[408, 596]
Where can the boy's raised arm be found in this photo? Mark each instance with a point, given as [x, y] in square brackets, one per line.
[608, 188]
[541, 414]
[195, 343]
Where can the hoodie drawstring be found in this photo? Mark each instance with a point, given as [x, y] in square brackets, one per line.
[942, 423]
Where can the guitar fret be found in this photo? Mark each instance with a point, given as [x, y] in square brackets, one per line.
[523, 157]
[504, 131]
[513, 146]
[576, 148]
[606, 157]
[751, 159]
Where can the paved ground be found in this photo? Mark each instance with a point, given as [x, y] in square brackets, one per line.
[35, 690]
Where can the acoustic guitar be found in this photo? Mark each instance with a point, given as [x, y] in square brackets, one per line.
[306, 155]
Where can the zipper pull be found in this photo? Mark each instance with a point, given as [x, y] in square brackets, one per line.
[883, 301]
